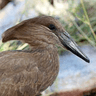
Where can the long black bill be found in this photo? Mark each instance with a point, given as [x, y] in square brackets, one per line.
[69, 43]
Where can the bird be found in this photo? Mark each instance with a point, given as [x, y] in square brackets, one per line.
[30, 72]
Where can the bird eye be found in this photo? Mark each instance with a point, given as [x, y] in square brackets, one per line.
[52, 27]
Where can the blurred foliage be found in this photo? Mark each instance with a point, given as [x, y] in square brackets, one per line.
[79, 19]
[84, 23]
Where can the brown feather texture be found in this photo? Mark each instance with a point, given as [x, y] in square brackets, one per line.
[3, 3]
[28, 73]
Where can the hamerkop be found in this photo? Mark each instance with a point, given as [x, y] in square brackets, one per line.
[28, 73]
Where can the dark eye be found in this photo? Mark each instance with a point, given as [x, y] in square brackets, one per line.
[52, 27]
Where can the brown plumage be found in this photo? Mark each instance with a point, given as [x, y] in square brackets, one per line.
[3, 3]
[28, 73]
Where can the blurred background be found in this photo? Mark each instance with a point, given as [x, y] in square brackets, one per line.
[78, 18]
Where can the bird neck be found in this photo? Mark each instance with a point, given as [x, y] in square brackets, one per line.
[42, 47]
[47, 61]
[46, 58]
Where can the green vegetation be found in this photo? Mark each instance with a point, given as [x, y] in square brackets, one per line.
[84, 22]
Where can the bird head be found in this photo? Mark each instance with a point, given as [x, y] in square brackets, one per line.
[42, 31]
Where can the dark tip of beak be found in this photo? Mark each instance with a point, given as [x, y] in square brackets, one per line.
[69, 43]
